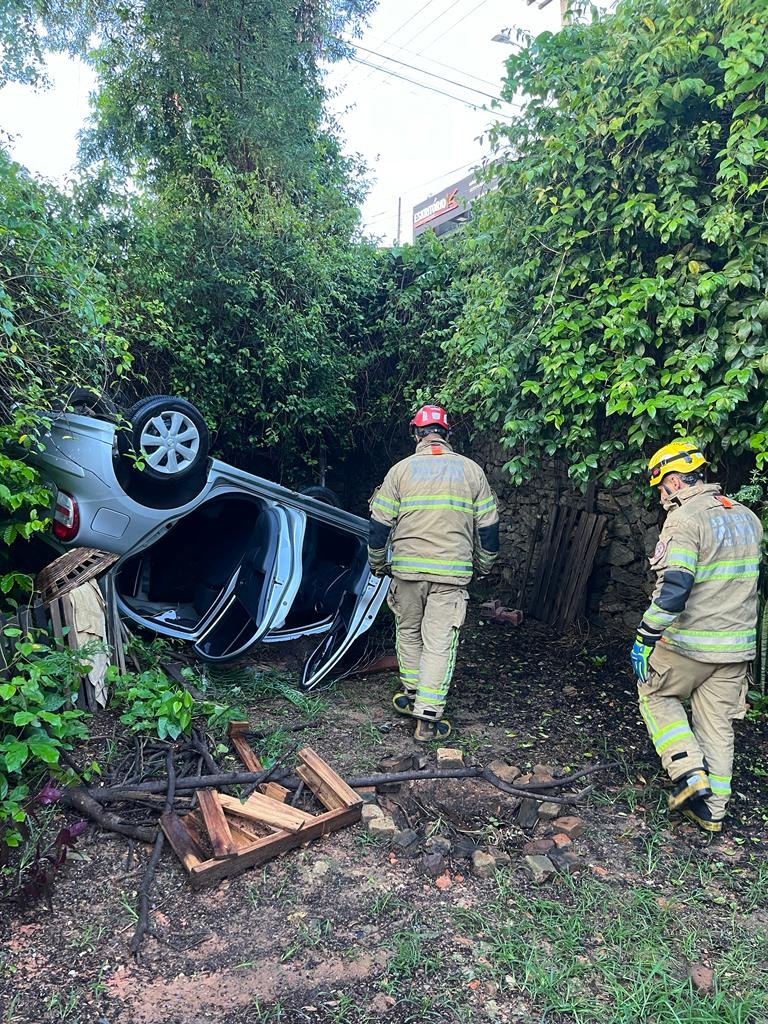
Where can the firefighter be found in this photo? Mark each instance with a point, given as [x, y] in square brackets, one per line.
[444, 526]
[698, 637]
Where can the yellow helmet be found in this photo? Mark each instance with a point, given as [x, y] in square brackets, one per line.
[675, 457]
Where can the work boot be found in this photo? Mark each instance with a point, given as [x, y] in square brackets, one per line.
[427, 731]
[696, 810]
[403, 703]
[693, 784]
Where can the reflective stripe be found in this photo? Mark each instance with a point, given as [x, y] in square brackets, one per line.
[645, 711]
[656, 616]
[702, 640]
[686, 557]
[728, 570]
[489, 505]
[670, 734]
[720, 784]
[438, 565]
[390, 508]
[411, 505]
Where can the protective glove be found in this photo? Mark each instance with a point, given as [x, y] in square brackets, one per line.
[639, 656]
[380, 570]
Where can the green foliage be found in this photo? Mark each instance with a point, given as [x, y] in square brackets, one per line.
[37, 721]
[156, 705]
[618, 278]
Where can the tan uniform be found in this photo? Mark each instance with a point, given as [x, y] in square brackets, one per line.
[705, 607]
[444, 525]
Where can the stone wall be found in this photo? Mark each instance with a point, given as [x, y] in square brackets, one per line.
[620, 583]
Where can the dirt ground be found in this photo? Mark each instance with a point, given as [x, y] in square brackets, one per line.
[348, 930]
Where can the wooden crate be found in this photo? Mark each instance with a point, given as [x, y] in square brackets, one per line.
[228, 836]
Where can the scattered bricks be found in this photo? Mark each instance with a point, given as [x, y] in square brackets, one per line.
[503, 860]
[433, 864]
[540, 869]
[483, 864]
[448, 757]
[383, 827]
[540, 770]
[438, 844]
[538, 846]
[566, 862]
[571, 826]
[406, 839]
[371, 811]
[548, 810]
[702, 978]
[506, 772]
[524, 779]
[368, 794]
[528, 814]
[560, 839]
[396, 763]
[420, 762]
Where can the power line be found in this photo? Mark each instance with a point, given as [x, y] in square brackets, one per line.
[423, 85]
[464, 17]
[418, 32]
[440, 63]
[398, 29]
[423, 71]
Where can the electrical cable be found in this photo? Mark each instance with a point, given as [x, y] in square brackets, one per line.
[429, 88]
[431, 74]
[433, 60]
[464, 17]
[399, 28]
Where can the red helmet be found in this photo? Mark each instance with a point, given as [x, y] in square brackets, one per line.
[431, 416]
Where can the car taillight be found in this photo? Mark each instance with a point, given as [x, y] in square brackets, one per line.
[66, 517]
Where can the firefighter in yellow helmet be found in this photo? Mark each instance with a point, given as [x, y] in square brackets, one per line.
[698, 637]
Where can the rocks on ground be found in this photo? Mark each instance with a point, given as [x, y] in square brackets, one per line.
[539, 868]
[449, 757]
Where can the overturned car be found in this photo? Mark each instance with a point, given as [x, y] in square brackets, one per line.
[209, 553]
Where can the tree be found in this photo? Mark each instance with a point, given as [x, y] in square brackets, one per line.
[618, 277]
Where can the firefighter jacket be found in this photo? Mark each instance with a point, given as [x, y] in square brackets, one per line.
[707, 562]
[442, 517]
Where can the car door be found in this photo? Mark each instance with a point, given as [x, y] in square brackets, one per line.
[356, 612]
[263, 591]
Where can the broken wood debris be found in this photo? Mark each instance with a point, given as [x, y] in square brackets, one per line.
[234, 848]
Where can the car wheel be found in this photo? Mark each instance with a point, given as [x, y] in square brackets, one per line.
[324, 494]
[171, 437]
[84, 402]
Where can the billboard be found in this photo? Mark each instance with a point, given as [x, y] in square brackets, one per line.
[448, 208]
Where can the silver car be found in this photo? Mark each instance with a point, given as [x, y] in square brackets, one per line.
[209, 553]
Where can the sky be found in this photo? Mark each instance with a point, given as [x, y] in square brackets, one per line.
[414, 140]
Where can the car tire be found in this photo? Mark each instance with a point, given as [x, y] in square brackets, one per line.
[324, 494]
[171, 437]
[84, 402]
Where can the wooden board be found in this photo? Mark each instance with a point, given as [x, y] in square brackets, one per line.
[272, 846]
[252, 762]
[184, 845]
[270, 812]
[331, 779]
[216, 825]
[330, 800]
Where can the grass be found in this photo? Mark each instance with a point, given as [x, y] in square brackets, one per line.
[588, 955]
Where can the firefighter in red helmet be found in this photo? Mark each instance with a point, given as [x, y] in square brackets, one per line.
[437, 513]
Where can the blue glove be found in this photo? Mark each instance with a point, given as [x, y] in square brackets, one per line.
[639, 656]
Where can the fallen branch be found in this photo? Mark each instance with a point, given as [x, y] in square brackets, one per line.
[115, 794]
[79, 799]
[149, 876]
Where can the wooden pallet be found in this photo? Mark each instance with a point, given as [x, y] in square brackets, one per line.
[227, 835]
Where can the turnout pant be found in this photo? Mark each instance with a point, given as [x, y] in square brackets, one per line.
[718, 696]
[428, 617]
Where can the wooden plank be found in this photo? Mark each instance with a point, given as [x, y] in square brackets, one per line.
[236, 733]
[275, 791]
[217, 826]
[571, 564]
[184, 845]
[272, 846]
[331, 778]
[542, 564]
[330, 800]
[270, 812]
[243, 832]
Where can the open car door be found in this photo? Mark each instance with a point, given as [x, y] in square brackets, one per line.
[357, 609]
[266, 583]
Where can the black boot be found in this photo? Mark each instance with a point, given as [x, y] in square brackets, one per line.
[697, 811]
[694, 784]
